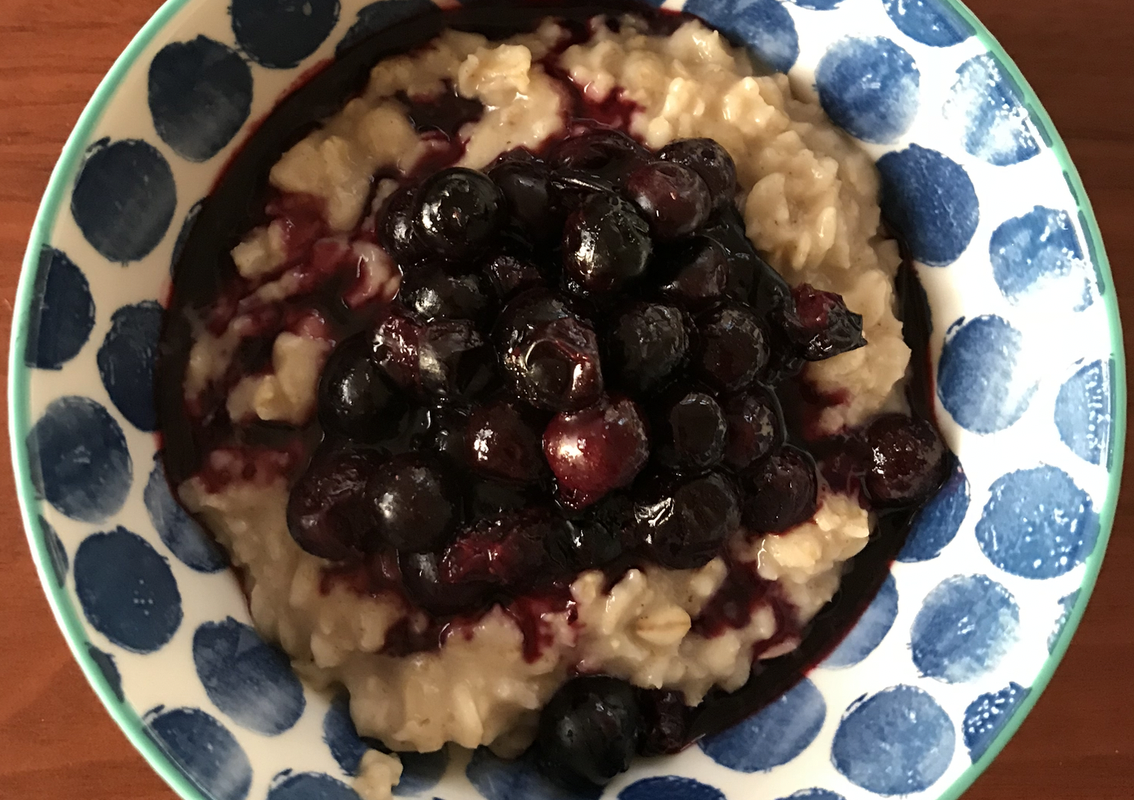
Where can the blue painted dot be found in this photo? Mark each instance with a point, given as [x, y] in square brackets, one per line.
[126, 362]
[378, 16]
[1083, 412]
[421, 772]
[931, 203]
[340, 735]
[498, 779]
[204, 750]
[178, 531]
[670, 787]
[765, 26]
[964, 628]
[986, 112]
[899, 741]
[124, 199]
[127, 590]
[183, 234]
[309, 786]
[280, 33]
[775, 735]
[249, 680]
[1040, 249]
[56, 552]
[869, 88]
[1037, 524]
[62, 312]
[870, 629]
[817, 5]
[814, 794]
[979, 378]
[930, 22]
[938, 521]
[200, 93]
[1066, 605]
[109, 670]
[79, 460]
[986, 716]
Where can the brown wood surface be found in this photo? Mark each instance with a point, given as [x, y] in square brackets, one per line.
[56, 741]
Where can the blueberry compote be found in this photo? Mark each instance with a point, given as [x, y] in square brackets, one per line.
[586, 366]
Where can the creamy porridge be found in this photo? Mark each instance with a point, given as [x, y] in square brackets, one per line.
[809, 202]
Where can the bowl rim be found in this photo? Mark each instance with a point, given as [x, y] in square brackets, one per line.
[66, 616]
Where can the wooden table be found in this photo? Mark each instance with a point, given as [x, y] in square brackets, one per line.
[56, 741]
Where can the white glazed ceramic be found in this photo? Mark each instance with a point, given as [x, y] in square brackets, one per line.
[949, 657]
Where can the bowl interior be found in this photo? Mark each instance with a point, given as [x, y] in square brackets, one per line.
[1029, 390]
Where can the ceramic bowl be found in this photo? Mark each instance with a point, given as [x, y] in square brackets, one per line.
[950, 655]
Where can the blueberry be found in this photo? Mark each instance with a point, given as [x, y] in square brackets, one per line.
[395, 343]
[414, 502]
[596, 450]
[503, 442]
[433, 292]
[750, 278]
[526, 187]
[606, 244]
[647, 343]
[607, 154]
[550, 357]
[448, 427]
[397, 232]
[696, 273]
[509, 275]
[684, 526]
[779, 492]
[327, 510]
[589, 731]
[489, 497]
[507, 551]
[454, 362]
[665, 719]
[907, 460]
[584, 544]
[755, 427]
[733, 350]
[709, 160]
[693, 431]
[673, 198]
[818, 324]
[424, 586]
[458, 213]
[356, 398]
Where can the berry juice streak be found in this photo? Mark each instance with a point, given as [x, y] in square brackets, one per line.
[205, 277]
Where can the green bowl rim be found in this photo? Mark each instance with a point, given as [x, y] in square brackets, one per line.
[67, 617]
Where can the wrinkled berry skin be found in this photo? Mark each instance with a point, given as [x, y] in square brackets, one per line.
[692, 431]
[646, 344]
[734, 350]
[780, 492]
[356, 398]
[425, 587]
[432, 292]
[503, 442]
[550, 356]
[755, 427]
[606, 245]
[508, 551]
[454, 361]
[459, 213]
[819, 325]
[589, 732]
[907, 460]
[685, 526]
[596, 450]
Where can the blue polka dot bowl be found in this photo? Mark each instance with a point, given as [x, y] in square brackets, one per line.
[947, 659]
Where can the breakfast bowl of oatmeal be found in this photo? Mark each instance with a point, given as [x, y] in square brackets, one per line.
[566, 400]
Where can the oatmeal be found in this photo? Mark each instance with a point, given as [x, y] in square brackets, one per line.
[352, 614]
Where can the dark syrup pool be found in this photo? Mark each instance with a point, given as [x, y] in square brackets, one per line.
[204, 273]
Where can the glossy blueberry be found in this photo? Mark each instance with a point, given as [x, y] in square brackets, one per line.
[396, 343]
[755, 427]
[458, 213]
[674, 199]
[646, 344]
[433, 292]
[696, 273]
[503, 442]
[818, 324]
[608, 154]
[606, 244]
[415, 502]
[692, 431]
[907, 460]
[509, 275]
[526, 188]
[454, 362]
[397, 232]
[596, 450]
[665, 722]
[328, 514]
[733, 350]
[356, 398]
[589, 731]
[684, 526]
[424, 585]
[779, 492]
[509, 551]
[709, 160]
